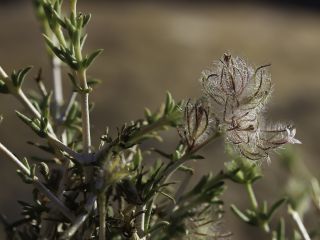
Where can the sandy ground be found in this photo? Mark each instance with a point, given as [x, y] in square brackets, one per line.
[151, 48]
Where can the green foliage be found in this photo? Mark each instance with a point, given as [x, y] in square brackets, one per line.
[19, 76]
[123, 189]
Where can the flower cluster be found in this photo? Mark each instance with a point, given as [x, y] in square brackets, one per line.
[237, 94]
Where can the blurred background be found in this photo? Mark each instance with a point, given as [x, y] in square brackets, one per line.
[154, 46]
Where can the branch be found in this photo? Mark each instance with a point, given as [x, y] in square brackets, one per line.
[57, 86]
[140, 221]
[13, 158]
[70, 103]
[19, 94]
[80, 158]
[22, 98]
[82, 77]
[102, 215]
[40, 186]
[296, 217]
[86, 134]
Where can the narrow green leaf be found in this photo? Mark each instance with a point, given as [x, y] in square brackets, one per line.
[86, 19]
[46, 105]
[24, 118]
[275, 206]
[33, 124]
[93, 81]
[44, 126]
[168, 196]
[148, 115]
[69, 26]
[76, 86]
[58, 19]
[70, 60]
[186, 169]
[88, 60]
[240, 214]
[169, 103]
[281, 230]
[26, 163]
[25, 178]
[137, 159]
[58, 52]
[33, 170]
[14, 78]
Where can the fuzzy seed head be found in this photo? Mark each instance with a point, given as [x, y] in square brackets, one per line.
[197, 126]
[237, 94]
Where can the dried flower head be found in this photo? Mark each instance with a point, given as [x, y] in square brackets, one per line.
[237, 93]
[234, 87]
[196, 126]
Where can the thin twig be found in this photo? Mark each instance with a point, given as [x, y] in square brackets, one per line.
[12, 157]
[140, 221]
[81, 158]
[56, 201]
[70, 104]
[297, 219]
[57, 85]
[102, 215]
[252, 196]
[23, 99]
[57, 82]
[82, 77]
[64, 116]
[86, 134]
[51, 136]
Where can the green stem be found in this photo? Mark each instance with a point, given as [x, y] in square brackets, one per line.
[148, 215]
[297, 219]
[86, 133]
[57, 86]
[102, 215]
[140, 221]
[73, 7]
[252, 196]
[82, 77]
[266, 227]
[60, 37]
